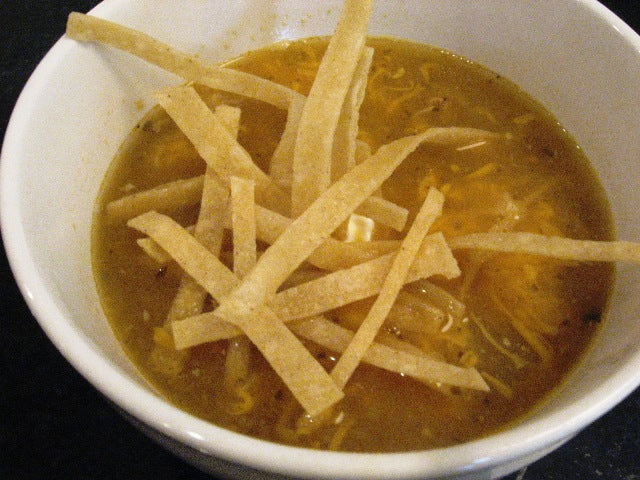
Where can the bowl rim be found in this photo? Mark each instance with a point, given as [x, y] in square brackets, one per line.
[263, 455]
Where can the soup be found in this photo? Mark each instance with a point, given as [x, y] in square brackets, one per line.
[522, 321]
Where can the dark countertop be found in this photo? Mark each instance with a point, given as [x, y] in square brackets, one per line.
[54, 425]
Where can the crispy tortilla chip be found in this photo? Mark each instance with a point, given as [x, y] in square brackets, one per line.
[344, 143]
[329, 335]
[550, 246]
[167, 197]
[281, 166]
[318, 123]
[384, 212]
[216, 145]
[243, 220]
[395, 279]
[87, 28]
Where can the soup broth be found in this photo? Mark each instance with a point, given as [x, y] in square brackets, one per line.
[527, 319]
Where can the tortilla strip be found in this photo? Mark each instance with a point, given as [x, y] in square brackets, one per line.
[334, 337]
[86, 28]
[303, 375]
[550, 246]
[318, 123]
[216, 145]
[243, 220]
[326, 293]
[384, 212]
[344, 143]
[165, 198]
[190, 297]
[281, 165]
[393, 282]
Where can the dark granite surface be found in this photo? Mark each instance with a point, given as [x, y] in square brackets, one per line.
[54, 425]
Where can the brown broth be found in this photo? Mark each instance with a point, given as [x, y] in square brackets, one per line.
[556, 305]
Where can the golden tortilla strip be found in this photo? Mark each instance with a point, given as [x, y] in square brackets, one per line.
[318, 123]
[190, 297]
[281, 165]
[243, 221]
[164, 198]
[384, 212]
[550, 246]
[334, 337]
[87, 28]
[327, 292]
[304, 376]
[216, 145]
[344, 143]
[153, 250]
[332, 254]
[393, 282]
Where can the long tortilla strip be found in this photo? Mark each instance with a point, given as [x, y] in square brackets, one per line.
[243, 220]
[384, 212]
[343, 152]
[87, 28]
[327, 292]
[164, 198]
[551, 246]
[216, 145]
[312, 152]
[393, 282]
[208, 230]
[334, 337]
[303, 375]
[281, 165]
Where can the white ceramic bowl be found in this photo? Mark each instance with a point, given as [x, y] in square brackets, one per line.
[576, 57]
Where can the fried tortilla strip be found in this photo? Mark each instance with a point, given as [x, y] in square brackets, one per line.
[332, 254]
[343, 154]
[319, 120]
[303, 375]
[87, 28]
[327, 292]
[281, 165]
[393, 282]
[164, 198]
[334, 337]
[243, 221]
[384, 212]
[217, 146]
[550, 246]
[208, 230]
